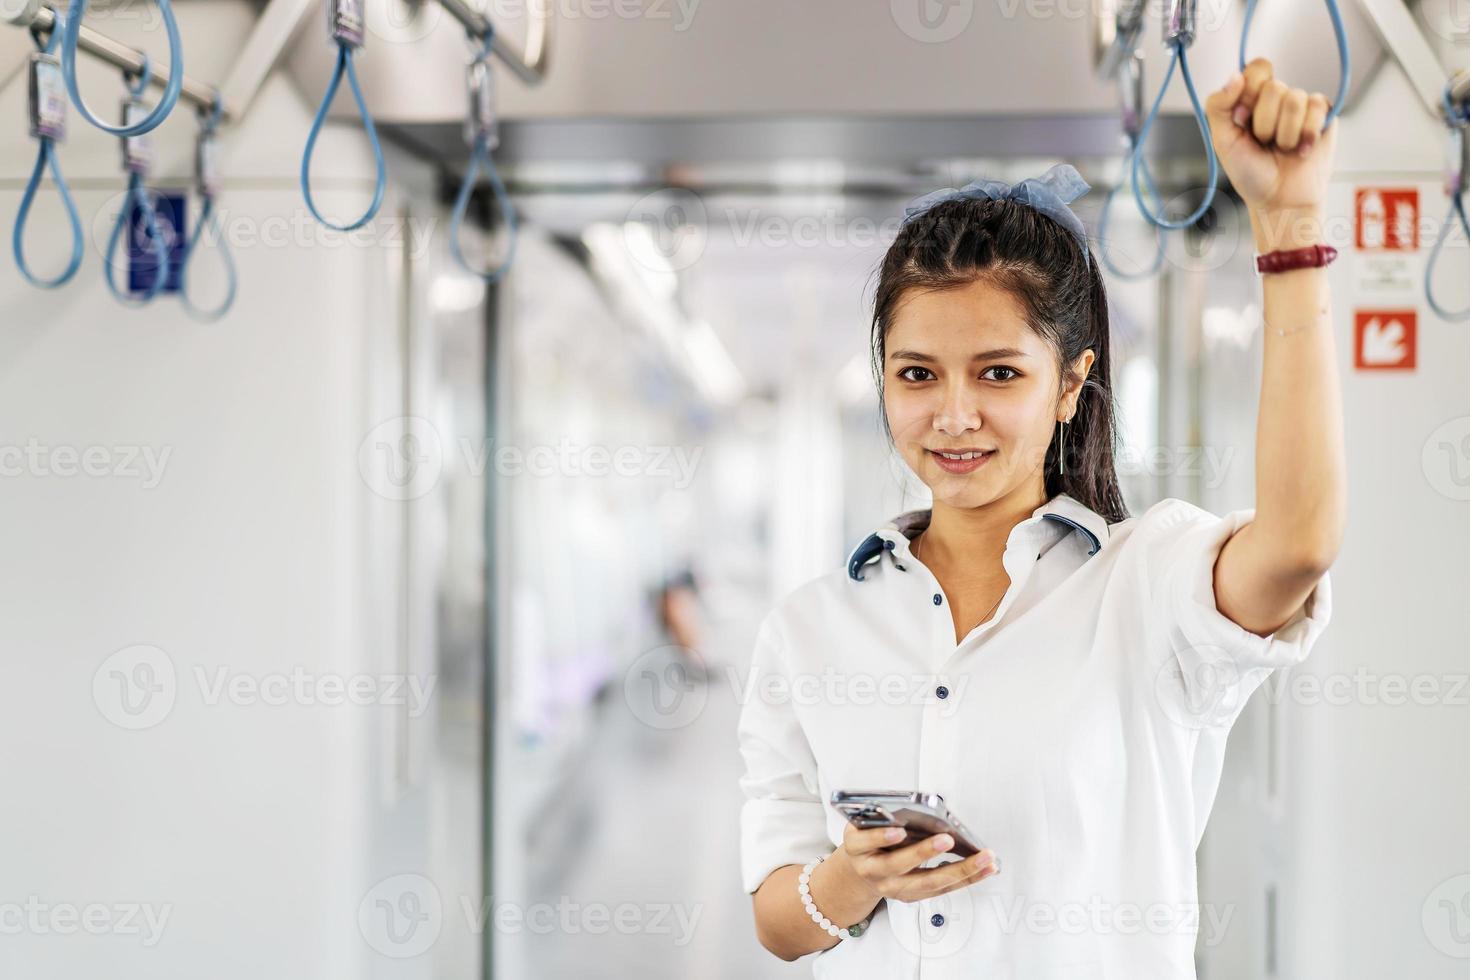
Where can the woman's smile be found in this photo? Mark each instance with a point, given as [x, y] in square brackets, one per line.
[961, 462]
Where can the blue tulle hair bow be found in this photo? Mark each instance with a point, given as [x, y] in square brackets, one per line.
[1050, 194]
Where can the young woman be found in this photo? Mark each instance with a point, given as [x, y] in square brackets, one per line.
[1063, 674]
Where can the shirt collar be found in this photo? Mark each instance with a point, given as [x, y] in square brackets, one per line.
[1061, 511]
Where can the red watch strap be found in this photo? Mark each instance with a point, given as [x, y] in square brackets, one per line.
[1313, 256]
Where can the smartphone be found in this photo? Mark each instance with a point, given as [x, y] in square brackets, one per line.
[920, 814]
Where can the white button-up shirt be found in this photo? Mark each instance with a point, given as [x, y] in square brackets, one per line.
[1079, 733]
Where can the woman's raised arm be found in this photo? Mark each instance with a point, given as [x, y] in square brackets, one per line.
[1270, 142]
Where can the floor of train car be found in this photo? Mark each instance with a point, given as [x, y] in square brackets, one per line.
[658, 817]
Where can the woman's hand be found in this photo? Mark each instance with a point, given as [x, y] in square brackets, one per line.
[1269, 140]
[892, 873]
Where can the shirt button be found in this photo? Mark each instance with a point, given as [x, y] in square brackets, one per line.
[942, 691]
[938, 598]
[936, 920]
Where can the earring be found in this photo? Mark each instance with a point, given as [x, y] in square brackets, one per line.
[1062, 445]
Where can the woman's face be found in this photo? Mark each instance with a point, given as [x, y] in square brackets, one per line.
[964, 373]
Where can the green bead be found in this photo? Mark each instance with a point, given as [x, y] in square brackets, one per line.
[855, 930]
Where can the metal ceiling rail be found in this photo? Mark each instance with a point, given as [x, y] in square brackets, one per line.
[273, 30]
[1121, 35]
[42, 19]
[1403, 36]
[530, 64]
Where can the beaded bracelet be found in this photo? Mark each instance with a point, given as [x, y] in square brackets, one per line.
[804, 888]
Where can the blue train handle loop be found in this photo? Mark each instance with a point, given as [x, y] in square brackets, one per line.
[71, 32]
[1456, 181]
[136, 199]
[344, 21]
[1344, 58]
[138, 84]
[207, 183]
[1179, 41]
[137, 160]
[48, 124]
[1130, 92]
[480, 131]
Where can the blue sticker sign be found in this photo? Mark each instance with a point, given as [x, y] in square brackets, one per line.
[170, 213]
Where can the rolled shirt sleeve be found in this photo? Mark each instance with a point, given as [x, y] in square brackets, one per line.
[1217, 663]
[782, 820]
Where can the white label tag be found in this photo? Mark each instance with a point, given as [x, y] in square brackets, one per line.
[206, 166]
[345, 21]
[481, 121]
[48, 97]
[137, 150]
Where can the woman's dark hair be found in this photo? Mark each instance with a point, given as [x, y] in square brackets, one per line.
[1017, 248]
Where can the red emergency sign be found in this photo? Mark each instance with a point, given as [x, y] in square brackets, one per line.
[1387, 219]
[1385, 340]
